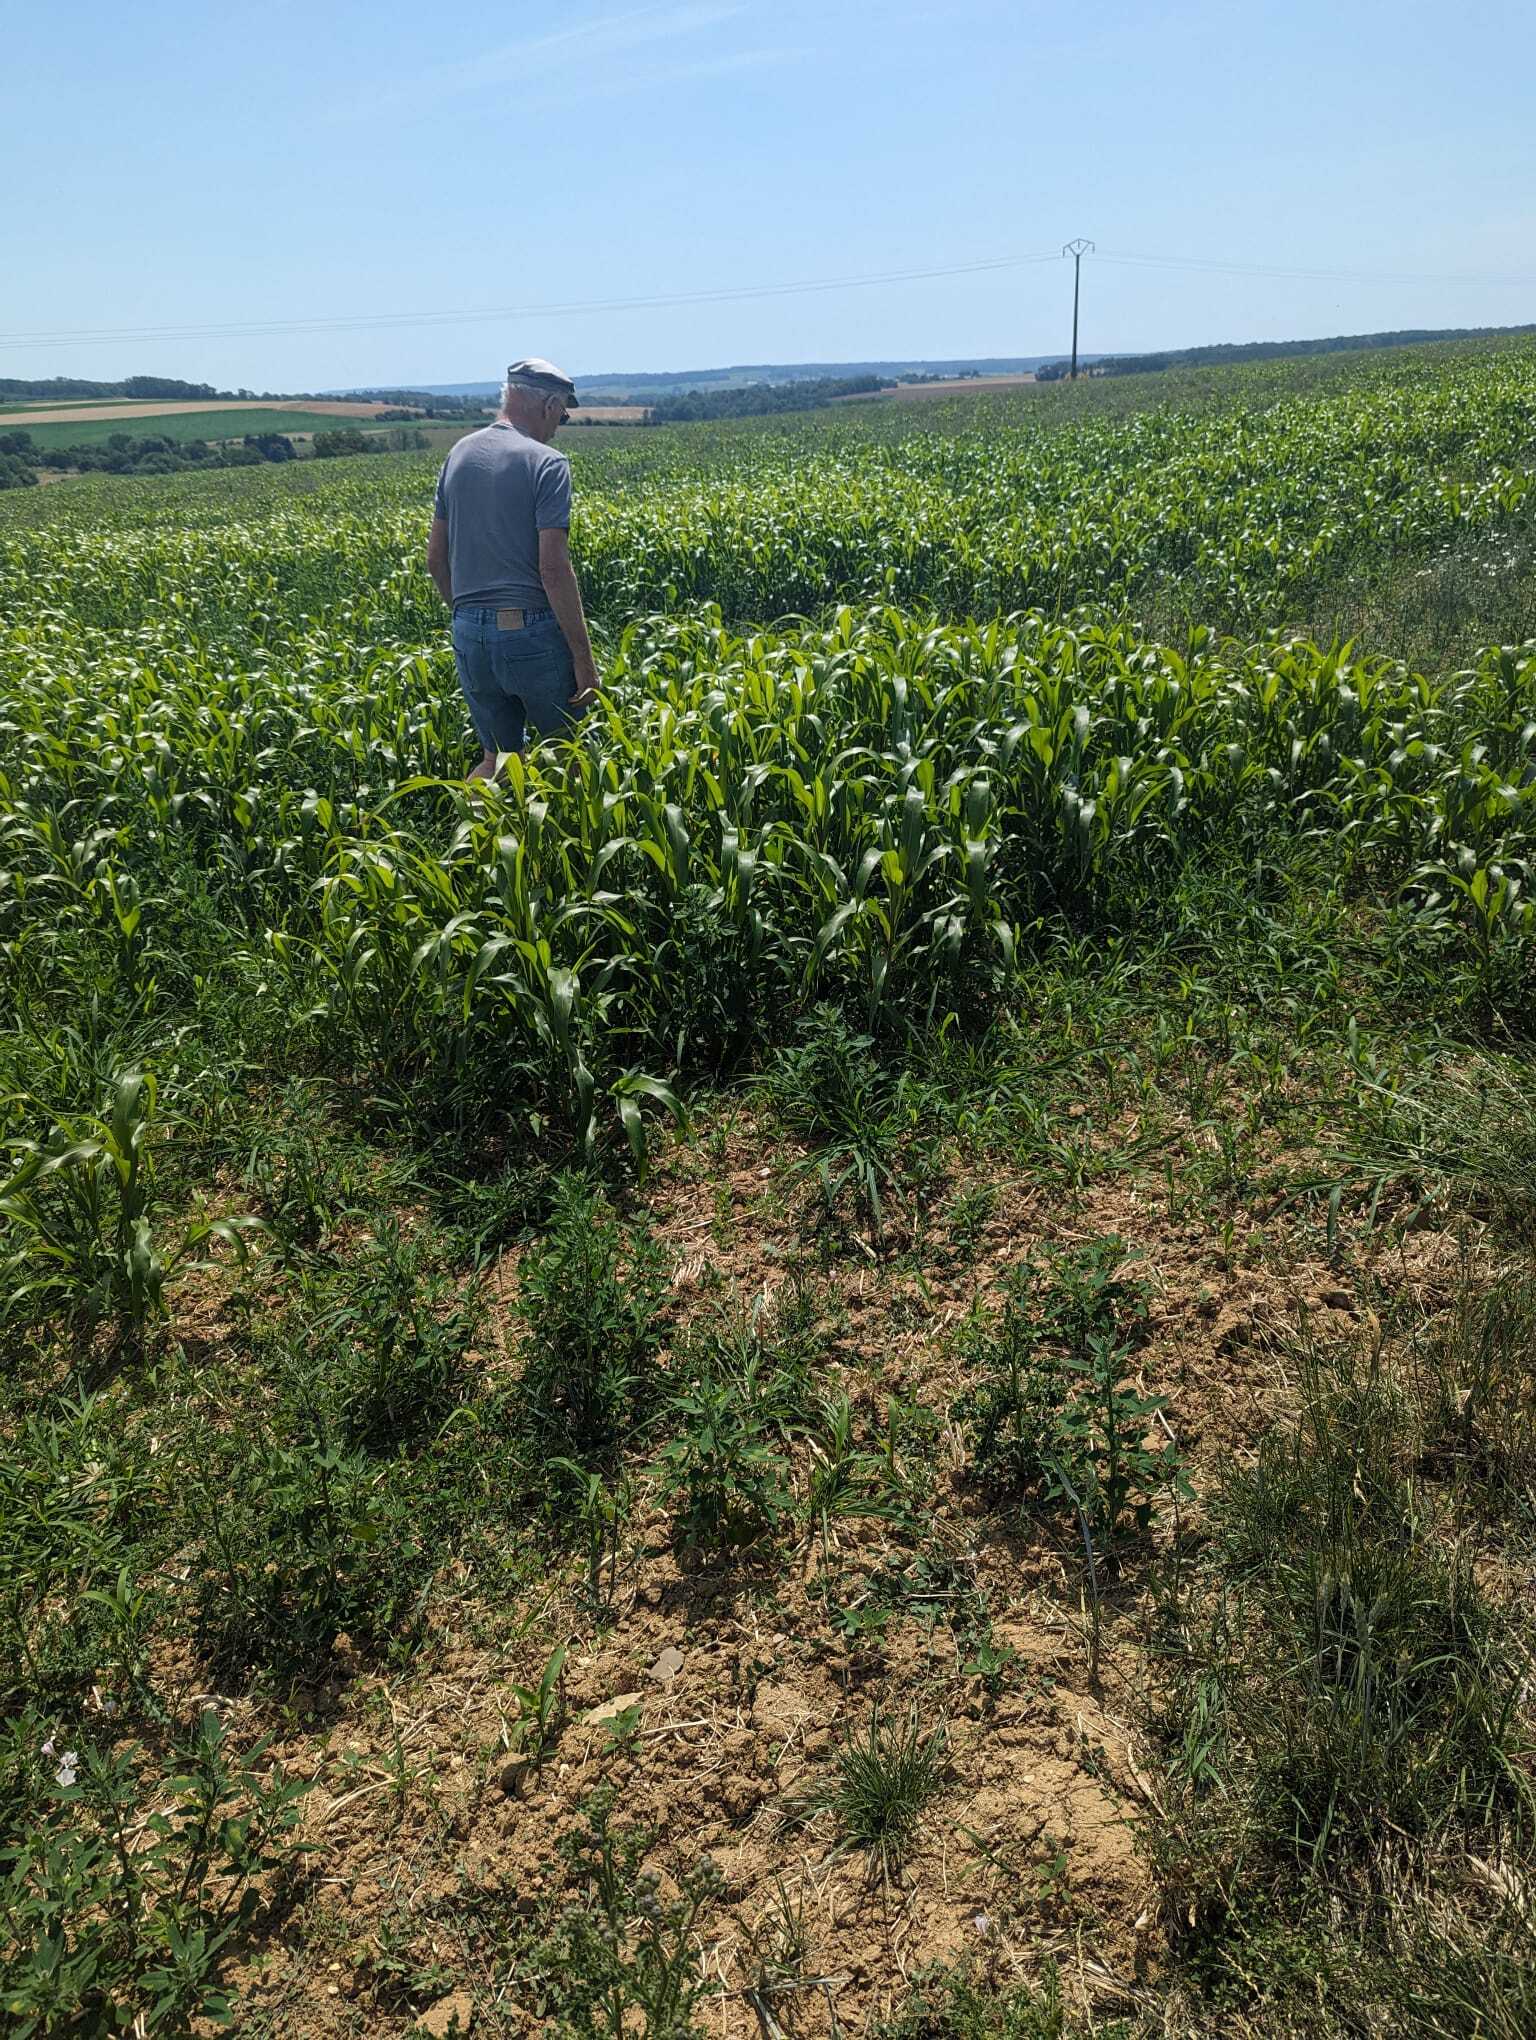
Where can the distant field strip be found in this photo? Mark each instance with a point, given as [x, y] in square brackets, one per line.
[171, 407]
[231, 421]
[976, 385]
[50, 406]
[614, 414]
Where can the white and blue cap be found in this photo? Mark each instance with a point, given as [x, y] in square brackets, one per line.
[543, 376]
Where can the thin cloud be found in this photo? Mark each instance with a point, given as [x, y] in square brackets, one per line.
[655, 76]
[529, 59]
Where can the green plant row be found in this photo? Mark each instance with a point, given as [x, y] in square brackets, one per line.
[878, 813]
[1229, 515]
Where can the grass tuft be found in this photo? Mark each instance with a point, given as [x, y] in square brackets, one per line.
[885, 1777]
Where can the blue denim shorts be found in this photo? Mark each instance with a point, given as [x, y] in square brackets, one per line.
[513, 680]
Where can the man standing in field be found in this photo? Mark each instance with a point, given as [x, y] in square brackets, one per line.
[500, 556]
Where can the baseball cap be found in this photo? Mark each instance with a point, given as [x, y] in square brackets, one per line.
[536, 374]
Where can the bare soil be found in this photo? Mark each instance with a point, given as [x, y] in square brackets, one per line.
[745, 1687]
[957, 386]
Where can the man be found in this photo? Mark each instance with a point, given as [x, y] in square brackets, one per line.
[500, 555]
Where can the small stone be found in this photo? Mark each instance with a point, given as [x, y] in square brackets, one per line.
[453, 2014]
[668, 1665]
[610, 1709]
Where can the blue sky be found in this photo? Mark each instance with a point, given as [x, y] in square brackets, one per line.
[174, 167]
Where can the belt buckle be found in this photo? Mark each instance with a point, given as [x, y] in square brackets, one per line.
[509, 619]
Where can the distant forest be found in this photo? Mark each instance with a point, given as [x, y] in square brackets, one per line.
[1264, 350]
[130, 386]
[759, 399]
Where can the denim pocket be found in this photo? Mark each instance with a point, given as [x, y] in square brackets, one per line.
[533, 640]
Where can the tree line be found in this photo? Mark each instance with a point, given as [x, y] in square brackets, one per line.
[151, 453]
[757, 399]
[128, 386]
[127, 453]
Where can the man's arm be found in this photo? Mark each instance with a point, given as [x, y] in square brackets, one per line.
[437, 559]
[559, 579]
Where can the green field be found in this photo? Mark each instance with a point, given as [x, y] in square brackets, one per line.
[42, 406]
[227, 424]
[860, 1357]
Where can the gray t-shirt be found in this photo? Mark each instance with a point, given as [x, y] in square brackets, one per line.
[498, 490]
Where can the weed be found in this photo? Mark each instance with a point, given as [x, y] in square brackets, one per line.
[82, 1525]
[845, 1482]
[123, 1888]
[391, 1350]
[1348, 1694]
[831, 1090]
[991, 1663]
[885, 1777]
[305, 1180]
[1466, 1124]
[591, 1295]
[1049, 1416]
[300, 1542]
[958, 2005]
[620, 1955]
[721, 1463]
[1478, 1379]
[602, 1510]
[779, 1942]
[967, 1216]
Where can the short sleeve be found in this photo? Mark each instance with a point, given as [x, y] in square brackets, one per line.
[552, 496]
[440, 501]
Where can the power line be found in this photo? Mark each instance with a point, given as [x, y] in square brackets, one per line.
[1261, 269]
[384, 320]
[599, 307]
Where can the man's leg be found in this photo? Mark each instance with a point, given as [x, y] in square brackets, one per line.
[547, 683]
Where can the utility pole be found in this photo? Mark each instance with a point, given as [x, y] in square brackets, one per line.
[1077, 250]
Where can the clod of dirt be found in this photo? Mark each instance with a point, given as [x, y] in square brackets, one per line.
[452, 2014]
[667, 1666]
[513, 1776]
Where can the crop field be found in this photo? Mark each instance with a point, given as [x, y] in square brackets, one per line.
[40, 407]
[89, 410]
[858, 1359]
[222, 421]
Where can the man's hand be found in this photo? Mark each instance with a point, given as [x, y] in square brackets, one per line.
[585, 690]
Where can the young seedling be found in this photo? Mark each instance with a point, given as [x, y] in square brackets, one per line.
[539, 1710]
